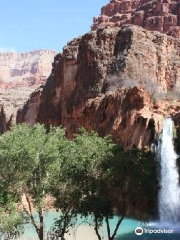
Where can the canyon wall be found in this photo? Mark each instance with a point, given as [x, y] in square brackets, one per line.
[100, 81]
[20, 75]
[156, 15]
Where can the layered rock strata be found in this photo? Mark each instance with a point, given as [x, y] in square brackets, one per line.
[156, 15]
[20, 75]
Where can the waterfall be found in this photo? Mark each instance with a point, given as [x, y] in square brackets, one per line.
[169, 195]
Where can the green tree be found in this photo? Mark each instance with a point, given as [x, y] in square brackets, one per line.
[134, 177]
[82, 177]
[87, 176]
[95, 154]
[65, 192]
[25, 155]
[11, 221]
[108, 181]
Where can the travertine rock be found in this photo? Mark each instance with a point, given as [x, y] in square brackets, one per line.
[93, 81]
[156, 15]
[127, 114]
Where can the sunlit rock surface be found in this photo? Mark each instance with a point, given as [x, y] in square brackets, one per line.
[156, 15]
[20, 75]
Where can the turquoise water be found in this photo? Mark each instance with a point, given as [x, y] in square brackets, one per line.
[126, 230]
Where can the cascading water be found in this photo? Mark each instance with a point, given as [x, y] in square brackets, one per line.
[169, 195]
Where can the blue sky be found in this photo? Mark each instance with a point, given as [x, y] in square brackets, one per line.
[44, 24]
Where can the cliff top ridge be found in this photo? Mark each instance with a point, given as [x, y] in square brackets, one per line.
[153, 15]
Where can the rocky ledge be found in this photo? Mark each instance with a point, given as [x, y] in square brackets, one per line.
[156, 15]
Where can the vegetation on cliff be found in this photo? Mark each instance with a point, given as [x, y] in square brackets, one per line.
[87, 176]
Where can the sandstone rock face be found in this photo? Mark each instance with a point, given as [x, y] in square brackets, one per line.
[93, 84]
[21, 74]
[4, 124]
[158, 15]
[31, 108]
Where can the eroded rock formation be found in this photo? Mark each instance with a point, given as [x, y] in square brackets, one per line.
[4, 124]
[20, 75]
[93, 84]
[156, 15]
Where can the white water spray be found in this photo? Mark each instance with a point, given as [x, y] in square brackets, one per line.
[169, 195]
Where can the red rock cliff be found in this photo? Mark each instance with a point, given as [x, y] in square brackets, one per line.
[160, 15]
[93, 84]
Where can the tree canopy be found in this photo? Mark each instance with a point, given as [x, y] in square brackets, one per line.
[86, 176]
